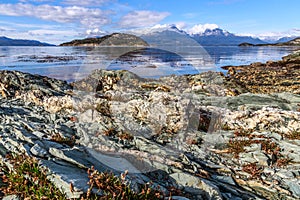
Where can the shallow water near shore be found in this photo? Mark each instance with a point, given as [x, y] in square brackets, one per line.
[73, 63]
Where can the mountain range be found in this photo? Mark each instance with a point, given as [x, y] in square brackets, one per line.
[166, 35]
[210, 37]
[4, 41]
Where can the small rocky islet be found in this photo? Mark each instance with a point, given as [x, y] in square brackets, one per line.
[203, 136]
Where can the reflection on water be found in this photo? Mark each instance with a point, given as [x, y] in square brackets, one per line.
[71, 63]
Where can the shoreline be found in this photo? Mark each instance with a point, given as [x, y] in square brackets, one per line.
[196, 136]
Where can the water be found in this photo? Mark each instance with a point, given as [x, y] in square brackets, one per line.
[73, 63]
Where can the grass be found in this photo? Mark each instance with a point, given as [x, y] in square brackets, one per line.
[237, 146]
[122, 135]
[293, 135]
[113, 187]
[244, 138]
[63, 140]
[253, 169]
[29, 181]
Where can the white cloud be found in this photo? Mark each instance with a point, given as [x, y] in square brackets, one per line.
[142, 18]
[94, 32]
[85, 2]
[38, 1]
[85, 16]
[45, 32]
[200, 28]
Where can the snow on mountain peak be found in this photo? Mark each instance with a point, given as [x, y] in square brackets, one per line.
[95, 33]
[276, 36]
[158, 28]
[201, 28]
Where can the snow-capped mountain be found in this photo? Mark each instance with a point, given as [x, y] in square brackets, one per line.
[218, 37]
[278, 37]
[157, 29]
[167, 35]
[214, 32]
[286, 39]
[207, 36]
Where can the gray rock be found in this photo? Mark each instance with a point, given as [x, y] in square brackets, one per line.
[294, 186]
[37, 150]
[177, 198]
[11, 197]
[63, 174]
[197, 186]
[225, 179]
[261, 158]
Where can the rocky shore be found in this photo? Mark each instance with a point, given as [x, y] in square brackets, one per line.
[204, 136]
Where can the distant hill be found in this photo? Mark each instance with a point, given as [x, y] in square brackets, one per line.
[294, 42]
[115, 39]
[4, 41]
[219, 37]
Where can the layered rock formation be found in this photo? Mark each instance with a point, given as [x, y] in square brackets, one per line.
[270, 77]
[190, 136]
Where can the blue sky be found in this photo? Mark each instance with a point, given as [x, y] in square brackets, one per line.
[59, 21]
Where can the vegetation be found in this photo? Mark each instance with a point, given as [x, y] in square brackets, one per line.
[253, 169]
[29, 181]
[113, 187]
[64, 140]
[244, 138]
[293, 135]
[115, 39]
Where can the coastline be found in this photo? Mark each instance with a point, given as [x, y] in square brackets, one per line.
[208, 135]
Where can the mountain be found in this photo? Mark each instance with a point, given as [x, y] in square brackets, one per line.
[294, 42]
[285, 39]
[168, 36]
[219, 37]
[210, 37]
[4, 41]
[115, 39]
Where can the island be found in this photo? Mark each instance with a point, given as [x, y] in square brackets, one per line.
[115, 39]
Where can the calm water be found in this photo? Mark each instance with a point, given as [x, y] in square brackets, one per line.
[72, 63]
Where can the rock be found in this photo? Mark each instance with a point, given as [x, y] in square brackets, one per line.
[280, 76]
[197, 186]
[11, 197]
[172, 132]
[261, 158]
[294, 186]
[224, 179]
[37, 150]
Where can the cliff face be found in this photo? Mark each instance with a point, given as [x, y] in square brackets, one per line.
[115, 39]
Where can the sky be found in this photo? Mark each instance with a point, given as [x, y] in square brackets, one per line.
[57, 21]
